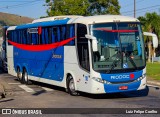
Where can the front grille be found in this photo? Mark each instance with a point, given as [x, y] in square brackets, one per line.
[124, 82]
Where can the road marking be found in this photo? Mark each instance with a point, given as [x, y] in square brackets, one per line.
[26, 88]
[47, 89]
[13, 83]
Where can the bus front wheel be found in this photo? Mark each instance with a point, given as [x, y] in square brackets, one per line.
[71, 86]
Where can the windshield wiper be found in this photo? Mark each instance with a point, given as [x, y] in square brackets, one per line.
[131, 60]
[115, 62]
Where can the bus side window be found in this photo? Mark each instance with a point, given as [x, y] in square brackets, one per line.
[58, 34]
[12, 36]
[53, 35]
[28, 37]
[25, 36]
[21, 32]
[63, 32]
[19, 36]
[15, 36]
[46, 36]
[43, 36]
[70, 33]
[50, 35]
[39, 36]
[9, 36]
[34, 38]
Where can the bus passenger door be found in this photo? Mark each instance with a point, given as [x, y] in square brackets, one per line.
[82, 47]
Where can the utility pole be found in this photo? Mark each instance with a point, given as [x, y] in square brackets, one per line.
[134, 8]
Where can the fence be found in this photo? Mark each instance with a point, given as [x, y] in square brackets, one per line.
[155, 59]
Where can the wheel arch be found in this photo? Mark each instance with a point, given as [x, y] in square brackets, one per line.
[25, 67]
[20, 67]
[74, 78]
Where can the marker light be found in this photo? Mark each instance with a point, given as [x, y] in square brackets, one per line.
[142, 77]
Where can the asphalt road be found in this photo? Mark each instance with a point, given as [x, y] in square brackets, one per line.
[40, 95]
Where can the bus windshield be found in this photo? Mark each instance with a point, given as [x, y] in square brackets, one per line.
[120, 47]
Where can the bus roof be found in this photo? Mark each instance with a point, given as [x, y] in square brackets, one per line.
[5, 27]
[103, 18]
[11, 28]
[55, 18]
[38, 24]
[61, 20]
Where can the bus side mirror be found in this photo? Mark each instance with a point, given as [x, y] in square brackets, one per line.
[94, 42]
[154, 38]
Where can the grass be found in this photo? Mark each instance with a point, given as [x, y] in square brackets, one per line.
[153, 70]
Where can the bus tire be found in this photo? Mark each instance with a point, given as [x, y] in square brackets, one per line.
[19, 76]
[25, 77]
[71, 86]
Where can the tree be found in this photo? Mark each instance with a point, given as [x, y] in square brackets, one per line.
[104, 7]
[67, 7]
[150, 23]
[82, 7]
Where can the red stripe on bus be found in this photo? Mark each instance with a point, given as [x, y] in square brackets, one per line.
[43, 47]
[108, 30]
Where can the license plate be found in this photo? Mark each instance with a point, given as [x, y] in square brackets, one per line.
[123, 87]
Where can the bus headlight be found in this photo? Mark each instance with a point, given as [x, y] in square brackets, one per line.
[101, 80]
[142, 77]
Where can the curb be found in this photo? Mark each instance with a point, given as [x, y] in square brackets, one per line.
[156, 83]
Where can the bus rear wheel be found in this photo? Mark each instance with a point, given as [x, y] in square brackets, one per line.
[25, 77]
[19, 76]
[71, 86]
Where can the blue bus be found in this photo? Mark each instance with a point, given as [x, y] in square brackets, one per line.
[94, 54]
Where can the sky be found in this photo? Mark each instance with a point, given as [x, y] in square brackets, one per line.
[37, 8]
